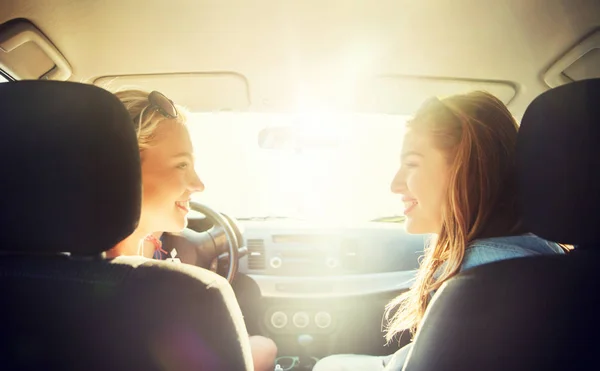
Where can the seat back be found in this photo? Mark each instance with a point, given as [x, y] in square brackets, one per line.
[71, 189]
[537, 313]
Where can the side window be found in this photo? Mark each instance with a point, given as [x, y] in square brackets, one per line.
[3, 79]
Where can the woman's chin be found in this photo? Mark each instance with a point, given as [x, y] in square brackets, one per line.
[409, 226]
[414, 226]
[420, 226]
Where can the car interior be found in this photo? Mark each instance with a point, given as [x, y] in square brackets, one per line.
[296, 113]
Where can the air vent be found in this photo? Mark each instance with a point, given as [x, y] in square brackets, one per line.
[256, 254]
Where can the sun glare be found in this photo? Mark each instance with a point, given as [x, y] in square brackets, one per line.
[347, 179]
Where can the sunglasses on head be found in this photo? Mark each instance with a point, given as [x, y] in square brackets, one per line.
[160, 103]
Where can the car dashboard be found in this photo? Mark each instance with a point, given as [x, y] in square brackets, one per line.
[331, 283]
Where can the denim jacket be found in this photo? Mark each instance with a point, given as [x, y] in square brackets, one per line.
[501, 248]
[489, 250]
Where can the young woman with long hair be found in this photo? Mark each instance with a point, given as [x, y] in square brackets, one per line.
[457, 182]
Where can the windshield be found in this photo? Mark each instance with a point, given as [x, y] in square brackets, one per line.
[347, 180]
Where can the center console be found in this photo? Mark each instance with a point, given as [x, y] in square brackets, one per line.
[319, 291]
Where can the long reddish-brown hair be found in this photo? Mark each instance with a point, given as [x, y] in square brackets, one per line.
[478, 135]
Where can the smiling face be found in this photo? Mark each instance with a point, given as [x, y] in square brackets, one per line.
[168, 179]
[457, 178]
[422, 180]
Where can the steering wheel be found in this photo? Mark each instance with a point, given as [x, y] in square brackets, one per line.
[222, 242]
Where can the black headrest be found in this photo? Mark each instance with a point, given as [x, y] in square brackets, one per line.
[71, 177]
[558, 154]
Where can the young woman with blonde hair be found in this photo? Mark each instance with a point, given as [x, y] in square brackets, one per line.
[168, 181]
[457, 182]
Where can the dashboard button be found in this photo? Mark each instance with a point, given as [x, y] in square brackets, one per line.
[276, 262]
[279, 319]
[301, 319]
[323, 320]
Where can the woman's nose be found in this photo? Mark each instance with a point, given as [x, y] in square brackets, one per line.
[196, 184]
[398, 183]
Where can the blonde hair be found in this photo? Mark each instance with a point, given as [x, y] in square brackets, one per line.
[146, 121]
[478, 134]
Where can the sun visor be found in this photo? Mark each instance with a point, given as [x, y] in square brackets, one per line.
[26, 53]
[198, 92]
[581, 62]
[397, 94]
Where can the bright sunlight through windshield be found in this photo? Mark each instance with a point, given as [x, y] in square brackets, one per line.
[348, 180]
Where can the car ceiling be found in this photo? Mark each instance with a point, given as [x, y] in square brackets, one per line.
[283, 47]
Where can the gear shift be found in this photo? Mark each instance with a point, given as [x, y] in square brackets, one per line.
[305, 361]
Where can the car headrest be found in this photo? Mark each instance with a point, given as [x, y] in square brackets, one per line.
[558, 156]
[71, 176]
